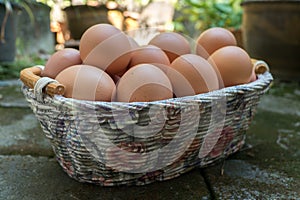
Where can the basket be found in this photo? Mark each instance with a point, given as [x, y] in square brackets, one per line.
[114, 143]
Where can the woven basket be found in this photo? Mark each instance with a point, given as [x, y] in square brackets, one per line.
[113, 143]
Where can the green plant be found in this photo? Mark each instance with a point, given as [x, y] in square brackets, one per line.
[11, 70]
[206, 14]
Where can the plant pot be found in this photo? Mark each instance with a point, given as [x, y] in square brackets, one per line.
[81, 17]
[237, 32]
[271, 32]
[34, 35]
[8, 42]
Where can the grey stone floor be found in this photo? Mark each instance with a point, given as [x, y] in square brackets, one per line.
[268, 167]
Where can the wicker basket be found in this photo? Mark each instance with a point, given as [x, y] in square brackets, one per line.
[113, 143]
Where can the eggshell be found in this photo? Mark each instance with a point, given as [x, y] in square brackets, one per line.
[143, 83]
[105, 47]
[180, 85]
[212, 39]
[233, 64]
[253, 77]
[173, 44]
[148, 54]
[86, 82]
[197, 72]
[60, 60]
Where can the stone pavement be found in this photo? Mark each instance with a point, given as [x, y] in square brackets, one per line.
[268, 167]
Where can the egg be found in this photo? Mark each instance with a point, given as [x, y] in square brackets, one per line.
[253, 77]
[180, 85]
[233, 65]
[148, 54]
[85, 82]
[197, 73]
[105, 47]
[143, 83]
[212, 39]
[60, 60]
[173, 44]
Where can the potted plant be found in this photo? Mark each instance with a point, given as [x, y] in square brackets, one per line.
[271, 32]
[80, 17]
[206, 14]
[23, 29]
[33, 30]
[8, 10]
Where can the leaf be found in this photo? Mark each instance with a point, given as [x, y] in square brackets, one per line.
[224, 8]
[193, 3]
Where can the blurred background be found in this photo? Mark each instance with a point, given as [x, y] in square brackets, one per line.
[31, 30]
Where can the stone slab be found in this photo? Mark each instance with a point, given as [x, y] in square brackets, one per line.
[269, 165]
[11, 95]
[28, 177]
[21, 134]
[243, 180]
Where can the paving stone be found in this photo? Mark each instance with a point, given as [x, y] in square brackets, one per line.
[243, 180]
[11, 96]
[280, 105]
[12, 82]
[27, 178]
[20, 133]
[269, 166]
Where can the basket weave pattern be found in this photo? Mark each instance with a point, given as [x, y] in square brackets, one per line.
[69, 123]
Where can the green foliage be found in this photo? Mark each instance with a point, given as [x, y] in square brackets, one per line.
[206, 14]
[11, 70]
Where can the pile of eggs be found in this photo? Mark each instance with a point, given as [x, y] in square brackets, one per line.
[112, 66]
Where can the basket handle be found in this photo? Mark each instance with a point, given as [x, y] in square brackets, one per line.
[30, 77]
[260, 66]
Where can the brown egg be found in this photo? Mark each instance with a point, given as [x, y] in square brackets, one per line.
[85, 82]
[148, 54]
[197, 72]
[212, 39]
[143, 83]
[253, 77]
[233, 64]
[180, 85]
[173, 44]
[60, 60]
[105, 47]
